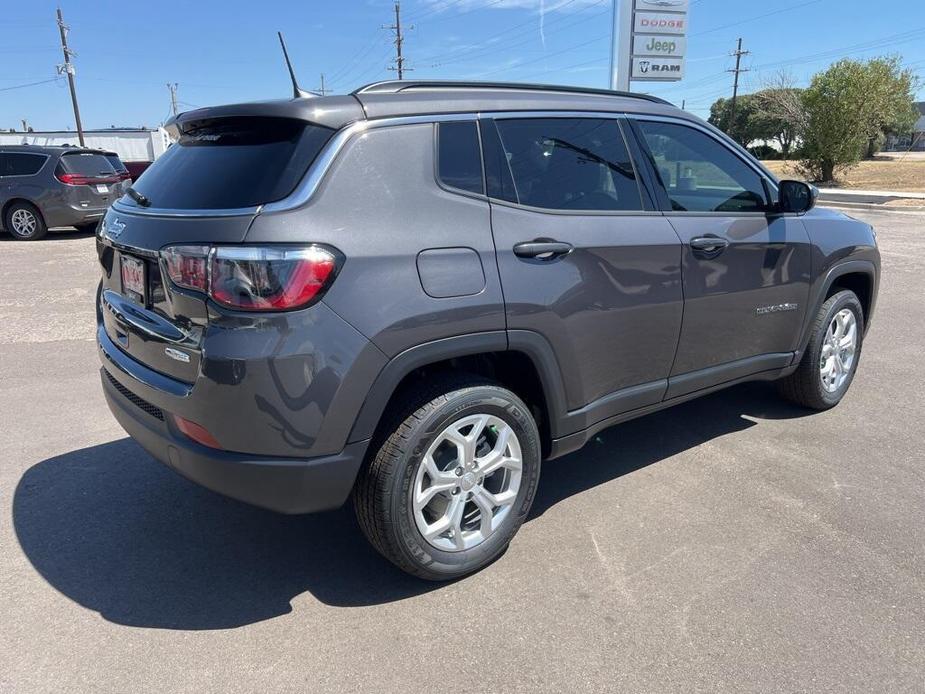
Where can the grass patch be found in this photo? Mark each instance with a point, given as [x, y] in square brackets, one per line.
[907, 175]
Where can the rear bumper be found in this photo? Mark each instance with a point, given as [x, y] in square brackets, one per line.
[285, 485]
[68, 215]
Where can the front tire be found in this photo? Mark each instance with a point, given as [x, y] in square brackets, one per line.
[24, 222]
[452, 480]
[831, 359]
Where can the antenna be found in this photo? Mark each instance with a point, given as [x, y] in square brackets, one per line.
[297, 91]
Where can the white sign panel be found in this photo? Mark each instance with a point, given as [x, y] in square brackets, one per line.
[656, 69]
[659, 23]
[662, 5]
[659, 45]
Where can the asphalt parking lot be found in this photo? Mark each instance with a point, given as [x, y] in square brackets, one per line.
[734, 543]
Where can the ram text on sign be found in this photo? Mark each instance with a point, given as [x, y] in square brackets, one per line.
[659, 45]
[658, 68]
[659, 23]
[662, 5]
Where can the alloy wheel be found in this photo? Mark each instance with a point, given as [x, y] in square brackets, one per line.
[467, 482]
[838, 350]
[23, 222]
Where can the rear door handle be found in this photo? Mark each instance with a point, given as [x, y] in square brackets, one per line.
[542, 249]
[709, 244]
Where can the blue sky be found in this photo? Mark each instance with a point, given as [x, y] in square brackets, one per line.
[222, 51]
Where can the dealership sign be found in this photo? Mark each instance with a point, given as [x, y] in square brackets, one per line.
[650, 41]
[664, 46]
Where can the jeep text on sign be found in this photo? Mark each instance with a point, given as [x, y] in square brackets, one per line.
[658, 68]
[659, 45]
[659, 23]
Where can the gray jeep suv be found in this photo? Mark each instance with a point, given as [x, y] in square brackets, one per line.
[413, 294]
[42, 187]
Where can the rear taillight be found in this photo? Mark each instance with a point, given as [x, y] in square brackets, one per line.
[73, 179]
[253, 278]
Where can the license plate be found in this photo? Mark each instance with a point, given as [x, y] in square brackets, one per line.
[102, 189]
[133, 278]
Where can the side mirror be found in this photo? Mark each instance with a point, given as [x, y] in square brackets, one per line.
[796, 196]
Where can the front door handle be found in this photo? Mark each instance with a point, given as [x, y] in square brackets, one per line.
[542, 249]
[709, 244]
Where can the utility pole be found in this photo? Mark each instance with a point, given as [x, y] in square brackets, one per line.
[735, 86]
[399, 65]
[68, 68]
[321, 90]
[25, 125]
[173, 96]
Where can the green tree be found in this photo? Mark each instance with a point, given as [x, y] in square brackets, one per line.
[846, 107]
[893, 92]
[743, 129]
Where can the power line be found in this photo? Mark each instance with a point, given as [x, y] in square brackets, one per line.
[760, 16]
[28, 84]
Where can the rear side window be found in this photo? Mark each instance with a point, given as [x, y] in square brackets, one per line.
[224, 163]
[20, 164]
[459, 161]
[88, 164]
[569, 164]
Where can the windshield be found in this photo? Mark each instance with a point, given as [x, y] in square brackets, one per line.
[226, 163]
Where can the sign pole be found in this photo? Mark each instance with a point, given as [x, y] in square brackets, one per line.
[621, 45]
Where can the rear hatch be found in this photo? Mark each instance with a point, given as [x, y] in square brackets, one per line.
[90, 181]
[203, 192]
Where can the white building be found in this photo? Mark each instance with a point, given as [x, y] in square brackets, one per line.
[136, 147]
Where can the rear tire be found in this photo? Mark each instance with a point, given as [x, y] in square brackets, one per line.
[24, 222]
[459, 462]
[831, 357]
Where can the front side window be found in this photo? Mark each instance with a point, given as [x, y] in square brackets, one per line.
[459, 161]
[700, 174]
[569, 164]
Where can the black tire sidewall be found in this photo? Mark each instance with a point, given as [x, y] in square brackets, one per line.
[836, 303]
[488, 400]
[40, 227]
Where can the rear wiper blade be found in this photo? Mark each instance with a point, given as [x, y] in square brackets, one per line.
[138, 197]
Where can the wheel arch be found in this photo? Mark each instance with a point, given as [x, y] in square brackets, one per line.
[522, 361]
[860, 276]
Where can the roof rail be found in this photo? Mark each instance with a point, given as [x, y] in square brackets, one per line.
[395, 86]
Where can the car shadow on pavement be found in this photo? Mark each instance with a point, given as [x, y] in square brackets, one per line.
[125, 536]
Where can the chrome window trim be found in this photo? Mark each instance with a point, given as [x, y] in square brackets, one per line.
[305, 190]
[119, 206]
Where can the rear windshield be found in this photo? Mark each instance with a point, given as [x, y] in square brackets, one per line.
[86, 164]
[232, 162]
[116, 163]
